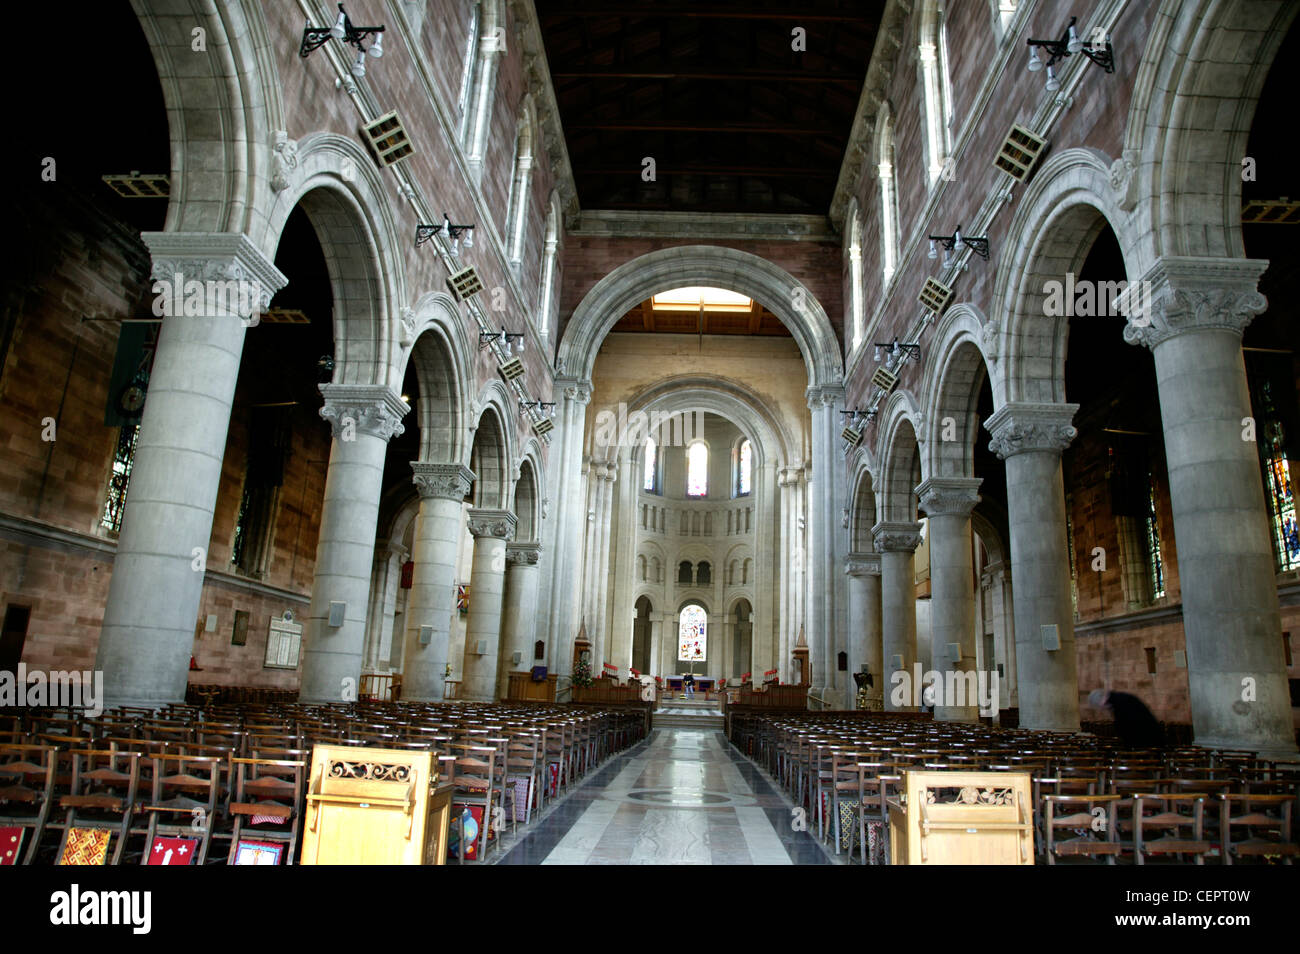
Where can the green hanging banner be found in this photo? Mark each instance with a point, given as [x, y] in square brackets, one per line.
[130, 378]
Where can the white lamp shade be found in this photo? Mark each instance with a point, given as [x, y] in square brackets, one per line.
[1035, 64]
[377, 48]
[339, 29]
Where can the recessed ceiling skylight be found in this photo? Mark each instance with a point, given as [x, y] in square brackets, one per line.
[693, 298]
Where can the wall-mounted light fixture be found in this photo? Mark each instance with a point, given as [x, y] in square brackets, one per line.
[447, 230]
[540, 405]
[1068, 45]
[980, 246]
[856, 417]
[894, 348]
[313, 38]
[485, 338]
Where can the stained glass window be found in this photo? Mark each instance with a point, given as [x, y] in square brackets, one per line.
[692, 634]
[1286, 535]
[743, 475]
[119, 478]
[651, 462]
[1277, 477]
[1154, 561]
[697, 470]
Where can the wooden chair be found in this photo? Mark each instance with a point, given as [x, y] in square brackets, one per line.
[474, 781]
[102, 796]
[521, 770]
[1081, 815]
[26, 797]
[1173, 814]
[1267, 823]
[268, 795]
[184, 802]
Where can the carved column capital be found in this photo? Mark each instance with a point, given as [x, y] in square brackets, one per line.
[827, 395]
[577, 390]
[862, 564]
[1021, 427]
[523, 554]
[896, 537]
[942, 496]
[499, 524]
[210, 275]
[1182, 294]
[373, 409]
[445, 481]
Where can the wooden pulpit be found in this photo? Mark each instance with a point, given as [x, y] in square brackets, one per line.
[375, 807]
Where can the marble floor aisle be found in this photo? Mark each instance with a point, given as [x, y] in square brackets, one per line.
[683, 796]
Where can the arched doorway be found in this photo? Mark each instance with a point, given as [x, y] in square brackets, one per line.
[641, 636]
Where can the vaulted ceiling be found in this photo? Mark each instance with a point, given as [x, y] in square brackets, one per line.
[735, 118]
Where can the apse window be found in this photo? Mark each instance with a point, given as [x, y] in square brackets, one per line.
[692, 634]
[744, 468]
[648, 483]
[697, 298]
[697, 470]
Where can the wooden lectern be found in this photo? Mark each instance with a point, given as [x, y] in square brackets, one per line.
[962, 818]
[375, 807]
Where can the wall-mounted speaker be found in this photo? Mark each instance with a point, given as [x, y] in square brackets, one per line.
[337, 609]
[426, 635]
[1051, 637]
[897, 662]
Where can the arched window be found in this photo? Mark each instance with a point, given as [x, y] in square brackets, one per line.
[697, 470]
[856, 309]
[684, 573]
[517, 215]
[1004, 11]
[692, 634]
[936, 88]
[487, 39]
[888, 193]
[744, 468]
[704, 574]
[463, 101]
[649, 483]
[547, 293]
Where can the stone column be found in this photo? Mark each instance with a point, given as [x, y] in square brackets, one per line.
[1030, 437]
[363, 417]
[162, 550]
[383, 593]
[865, 647]
[570, 518]
[656, 644]
[492, 529]
[604, 566]
[1004, 632]
[1236, 668]
[491, 37]
[518, 620]
[763, 622]
[624, 575]
[827, 544]
[896, 543]
[435, 546]
[794, 557]
[948, 502]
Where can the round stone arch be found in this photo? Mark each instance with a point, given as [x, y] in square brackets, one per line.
[339, 188]
[439, 354]
[490, 453]
[765, 430]
[527, 505]
[1063, 211]
[950, 390]
[900, 452]
[1194, 98]
[863, 506]
[223, 107]
[633, 282]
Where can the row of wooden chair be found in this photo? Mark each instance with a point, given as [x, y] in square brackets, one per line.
[234, 776]
[1186, 803]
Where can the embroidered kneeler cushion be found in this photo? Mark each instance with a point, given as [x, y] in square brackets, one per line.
[258, 853]
[172, 851]
[11, 843]
[86, 846]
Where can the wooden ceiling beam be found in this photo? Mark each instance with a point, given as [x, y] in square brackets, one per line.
[749, 76]
[870, 15]
[695, 125]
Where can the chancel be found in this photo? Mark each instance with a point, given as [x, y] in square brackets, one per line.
[563, 442]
